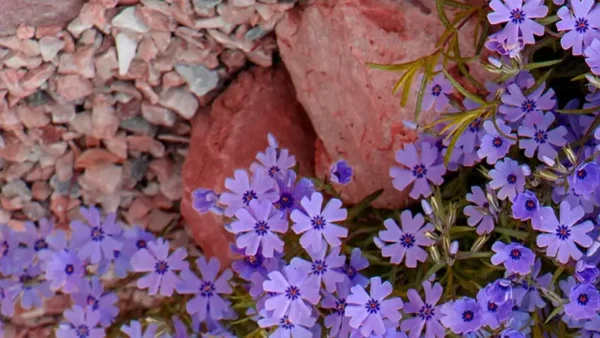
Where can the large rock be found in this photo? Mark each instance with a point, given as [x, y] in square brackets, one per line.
[259, 101]
[325, 47]
[36, 13]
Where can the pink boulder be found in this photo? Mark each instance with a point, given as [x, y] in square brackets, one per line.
[325, 47]
[36, 13]
[258, 101]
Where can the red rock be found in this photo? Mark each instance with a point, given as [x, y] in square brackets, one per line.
[350, 104]
[36, 13]
[162, 168]
[129, 109]
[145, 144]
[73, 87]
[95, 157]
[258, 101]
[161, 202]
[62, 113]
[233, 59]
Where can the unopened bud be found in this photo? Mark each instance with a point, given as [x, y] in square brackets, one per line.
[453, 248]
[526, 170]
[495, 62]
[410, 125]
[272, 141]
[426, 207]
[550, 162]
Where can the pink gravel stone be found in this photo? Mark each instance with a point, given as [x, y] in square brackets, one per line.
[172, 79]
[32, 116]
[147, 49]
[105, 179]
[156, 20]
[34, 78]
[95, 157]
[25, 32]
[117, 145]
[73, 87]
[40, 190]
[158, 115]
[106, 64]
[64, 166]
[36, 13]
[180, 101]
[78, 63]
[147, 91]
[104, 121]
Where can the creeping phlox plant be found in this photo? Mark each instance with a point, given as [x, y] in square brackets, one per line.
[501, 241]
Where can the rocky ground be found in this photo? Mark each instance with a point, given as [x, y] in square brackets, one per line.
[102, 101]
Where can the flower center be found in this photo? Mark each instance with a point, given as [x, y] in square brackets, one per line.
[419, 170]
[583, 299]
[340, 306]
[207, 289]
[25, 279]
[261, 228]
[286, 201]
[318, 222]
[249, 196]
[528, 106]
[254, 260]
[82, 331]
[468, 316]
[319, 267]
[93, 302]
[426, 312]
[286, 323]
[475, 125]
[292, 292]
[372, 306]
[69, 269]
[350, 271]
[581, 25]
[515, 254]
[497, 142]
[4, 248]
[97, 234]
[436, 90]
[161, 267]
[141, 244]
[517, 16]
[511, 178]
[530, 205]
[581, 174]
[40, 244]
[116, 253]
[491, 306]
[541, 136]
[407, 240]
[273, 170]
[563, 232]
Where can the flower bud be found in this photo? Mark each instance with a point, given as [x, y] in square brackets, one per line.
[453, 248]
[426, 207]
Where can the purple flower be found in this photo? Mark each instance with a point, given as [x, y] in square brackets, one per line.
[481, 214]
[96, 239]
[251, 264]
[592, 56]
[560, 237]
[181, 330]
[526, 295]
[292, 192]
[526, 206]
[495, 145]
[581, 24]
[516, 105]
[207, 303]
[561, 193]
[357, 263]
[584, 302]
[291, 294]
[436, 93]
[161, 267]
[257, 225]
[322, 269]
[35, 237]
[408, 240]
[368, 311]
[82, 324]
[523, 79]
[565, 286]
[287, 327]
[586, 269]
[273, 161]
[462, 316]
[516, 257]
[244, 190]
[340, 172]
[585, 178]
[338, 324]
[316, 225]
[427, 314]
[91, 295]
[501, 46]
[32, 287]
[511, 333]
[134, 330]
[539, 137]
[420, 168]
[12, 257]
[133, 239]
[519, 19]
[494, 313]
[8, 293]
[65, 270]
[507, 176]
[205, 200]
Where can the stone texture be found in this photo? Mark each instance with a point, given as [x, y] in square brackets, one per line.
[36, 13]
[351, 106]
[259, 101]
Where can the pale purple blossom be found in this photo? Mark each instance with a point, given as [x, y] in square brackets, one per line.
[258, 226]
[243, 190]
[340, 172]
[336, 322]
[286, 327]
[515, 257]
[8, 294]
[91, 295]
[527, 295]
[406, 241]
[536, 136]
[462, 316]
[207, 303]
[323, 268]
[519, 18]
[273, 161]
[81, 324]
[317, 224]
[205, 200]
[482, 214]
[516, 105]
[12, 257]
[508, 178]
[526, 206]
[161, 267]
[420, 168]
[592, 56]
[291, 192]
[35, 237]
[31, 287]
[134, 330]
[96, 239]
[495, 145]
[356, 263]
[559, 238]
[584, 302]
[65, 271]
[436, 93]
[368, 311]
[494, 313]
[427, 313]
[501, 46]
[585, 178]
[581, 23]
